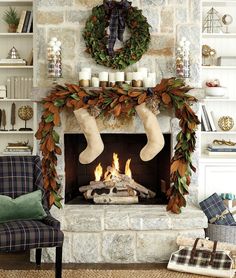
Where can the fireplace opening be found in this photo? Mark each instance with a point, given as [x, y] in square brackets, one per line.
[154, 175]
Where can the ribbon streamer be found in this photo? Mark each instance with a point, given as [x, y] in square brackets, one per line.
[116, 12]
[219, 216]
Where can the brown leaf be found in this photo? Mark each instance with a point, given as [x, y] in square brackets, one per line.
[123, 98]
[82, 94]
[50, 144]
[175, 208]
[174, 166]
[182, 168]
[121, 91]
[114, 102]
[58, 150]
[92, 102]
[117, 110]
[56, 119]
[134, 94]
[166, 98]
[142, 98]
[51, 199]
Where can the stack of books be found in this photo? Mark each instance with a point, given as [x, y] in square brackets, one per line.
[26, 22]
[14, 149]
[224, 150]
[19, 87]
[12, 62]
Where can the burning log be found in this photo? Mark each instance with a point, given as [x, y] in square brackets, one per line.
[116, 188]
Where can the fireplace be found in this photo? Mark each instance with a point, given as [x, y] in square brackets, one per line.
[154, 174]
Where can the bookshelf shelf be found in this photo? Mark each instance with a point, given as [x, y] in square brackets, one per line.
[219, 35]
[15, 100]
[16, 3]
[219, 132]
[219, 67]
[16, 67]
[16, 132]
[16, 34]
[217, 100]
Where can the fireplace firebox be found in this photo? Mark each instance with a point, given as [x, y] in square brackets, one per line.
[154, 174]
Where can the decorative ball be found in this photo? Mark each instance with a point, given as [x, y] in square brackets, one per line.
[226, 123]
[227, 19]
[25, 113]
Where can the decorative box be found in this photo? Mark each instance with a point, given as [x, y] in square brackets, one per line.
[216, 211]
[226, 61]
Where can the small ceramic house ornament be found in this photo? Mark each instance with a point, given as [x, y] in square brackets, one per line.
[13, 54]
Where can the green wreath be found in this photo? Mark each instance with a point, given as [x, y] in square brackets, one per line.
[96, 38]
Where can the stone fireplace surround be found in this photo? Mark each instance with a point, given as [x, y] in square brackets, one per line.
[123, 233]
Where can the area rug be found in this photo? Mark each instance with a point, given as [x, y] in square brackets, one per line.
[96, 273]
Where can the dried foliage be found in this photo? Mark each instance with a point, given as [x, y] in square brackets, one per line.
[121, 101]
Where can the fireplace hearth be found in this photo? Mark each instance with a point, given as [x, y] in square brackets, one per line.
[154, 174]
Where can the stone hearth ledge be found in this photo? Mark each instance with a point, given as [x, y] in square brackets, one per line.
[123, 233]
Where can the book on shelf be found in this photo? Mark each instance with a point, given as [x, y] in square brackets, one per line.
[220, 147]
[30, 24]
[26, 22]
[19, 87]
[21, 22]
[211, 120]
[222, 150]
[206, 118]
[204, 123]
[210, 153]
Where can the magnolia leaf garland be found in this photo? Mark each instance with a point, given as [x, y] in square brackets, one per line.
[121, 101]
[96, 38]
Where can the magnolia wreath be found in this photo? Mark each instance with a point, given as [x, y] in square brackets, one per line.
[116, 16]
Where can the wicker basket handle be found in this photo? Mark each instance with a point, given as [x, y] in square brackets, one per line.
[193, 251]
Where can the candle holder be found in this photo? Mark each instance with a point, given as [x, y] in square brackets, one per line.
[54, 59]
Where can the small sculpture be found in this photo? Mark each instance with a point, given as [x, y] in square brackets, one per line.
[25, 113]
[13, 116]
[227, 19]
[226, 123]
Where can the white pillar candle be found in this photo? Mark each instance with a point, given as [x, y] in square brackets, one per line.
[120, 76]
[95, 82]
[103, 76]
[129, 76]
[152, 75]
[88, 70]
[147, 82]
[137, 76]
[144, 71]
[112, 77]
[83, 75]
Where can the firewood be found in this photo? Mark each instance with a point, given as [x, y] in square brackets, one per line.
[99, 184]
[185, 241]
[115, 200]
[91, 194]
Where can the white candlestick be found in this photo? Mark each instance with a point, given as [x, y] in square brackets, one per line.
[120, 76]
[88, 70]
[95, 82]
[83, 75]
[137, 76]
[144, 72]
[129, 76]
[147, 82]
[103, 76]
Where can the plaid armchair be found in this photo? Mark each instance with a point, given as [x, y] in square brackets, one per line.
[20, 175]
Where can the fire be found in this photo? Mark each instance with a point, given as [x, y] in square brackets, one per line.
[127, 168]
[98, 172]
[112, 171]
[115, 163]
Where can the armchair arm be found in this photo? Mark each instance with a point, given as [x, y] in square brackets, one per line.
[51, 221]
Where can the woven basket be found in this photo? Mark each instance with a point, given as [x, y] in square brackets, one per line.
[222, 233]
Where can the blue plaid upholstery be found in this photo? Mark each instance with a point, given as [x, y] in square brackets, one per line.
[213, 206]
[21, 175]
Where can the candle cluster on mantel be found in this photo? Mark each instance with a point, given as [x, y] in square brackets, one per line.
[141, 78]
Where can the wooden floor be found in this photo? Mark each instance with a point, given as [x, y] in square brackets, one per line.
[20, 261]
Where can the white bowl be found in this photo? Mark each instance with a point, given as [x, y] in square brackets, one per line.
[215, 91]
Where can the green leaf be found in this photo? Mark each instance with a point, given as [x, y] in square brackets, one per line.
[49, 118]
[59, 102]
[55, 136]
[75, 96]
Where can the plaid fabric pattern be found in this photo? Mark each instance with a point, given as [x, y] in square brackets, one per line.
[213, 206]
[116, 13]
[21, 175]
[202, 259]
[23, 235]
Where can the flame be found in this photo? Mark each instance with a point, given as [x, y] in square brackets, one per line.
[115, 163]
[98, 172]
[127, 168]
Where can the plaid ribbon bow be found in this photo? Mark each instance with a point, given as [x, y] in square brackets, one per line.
[219, 216]
[116, 12]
